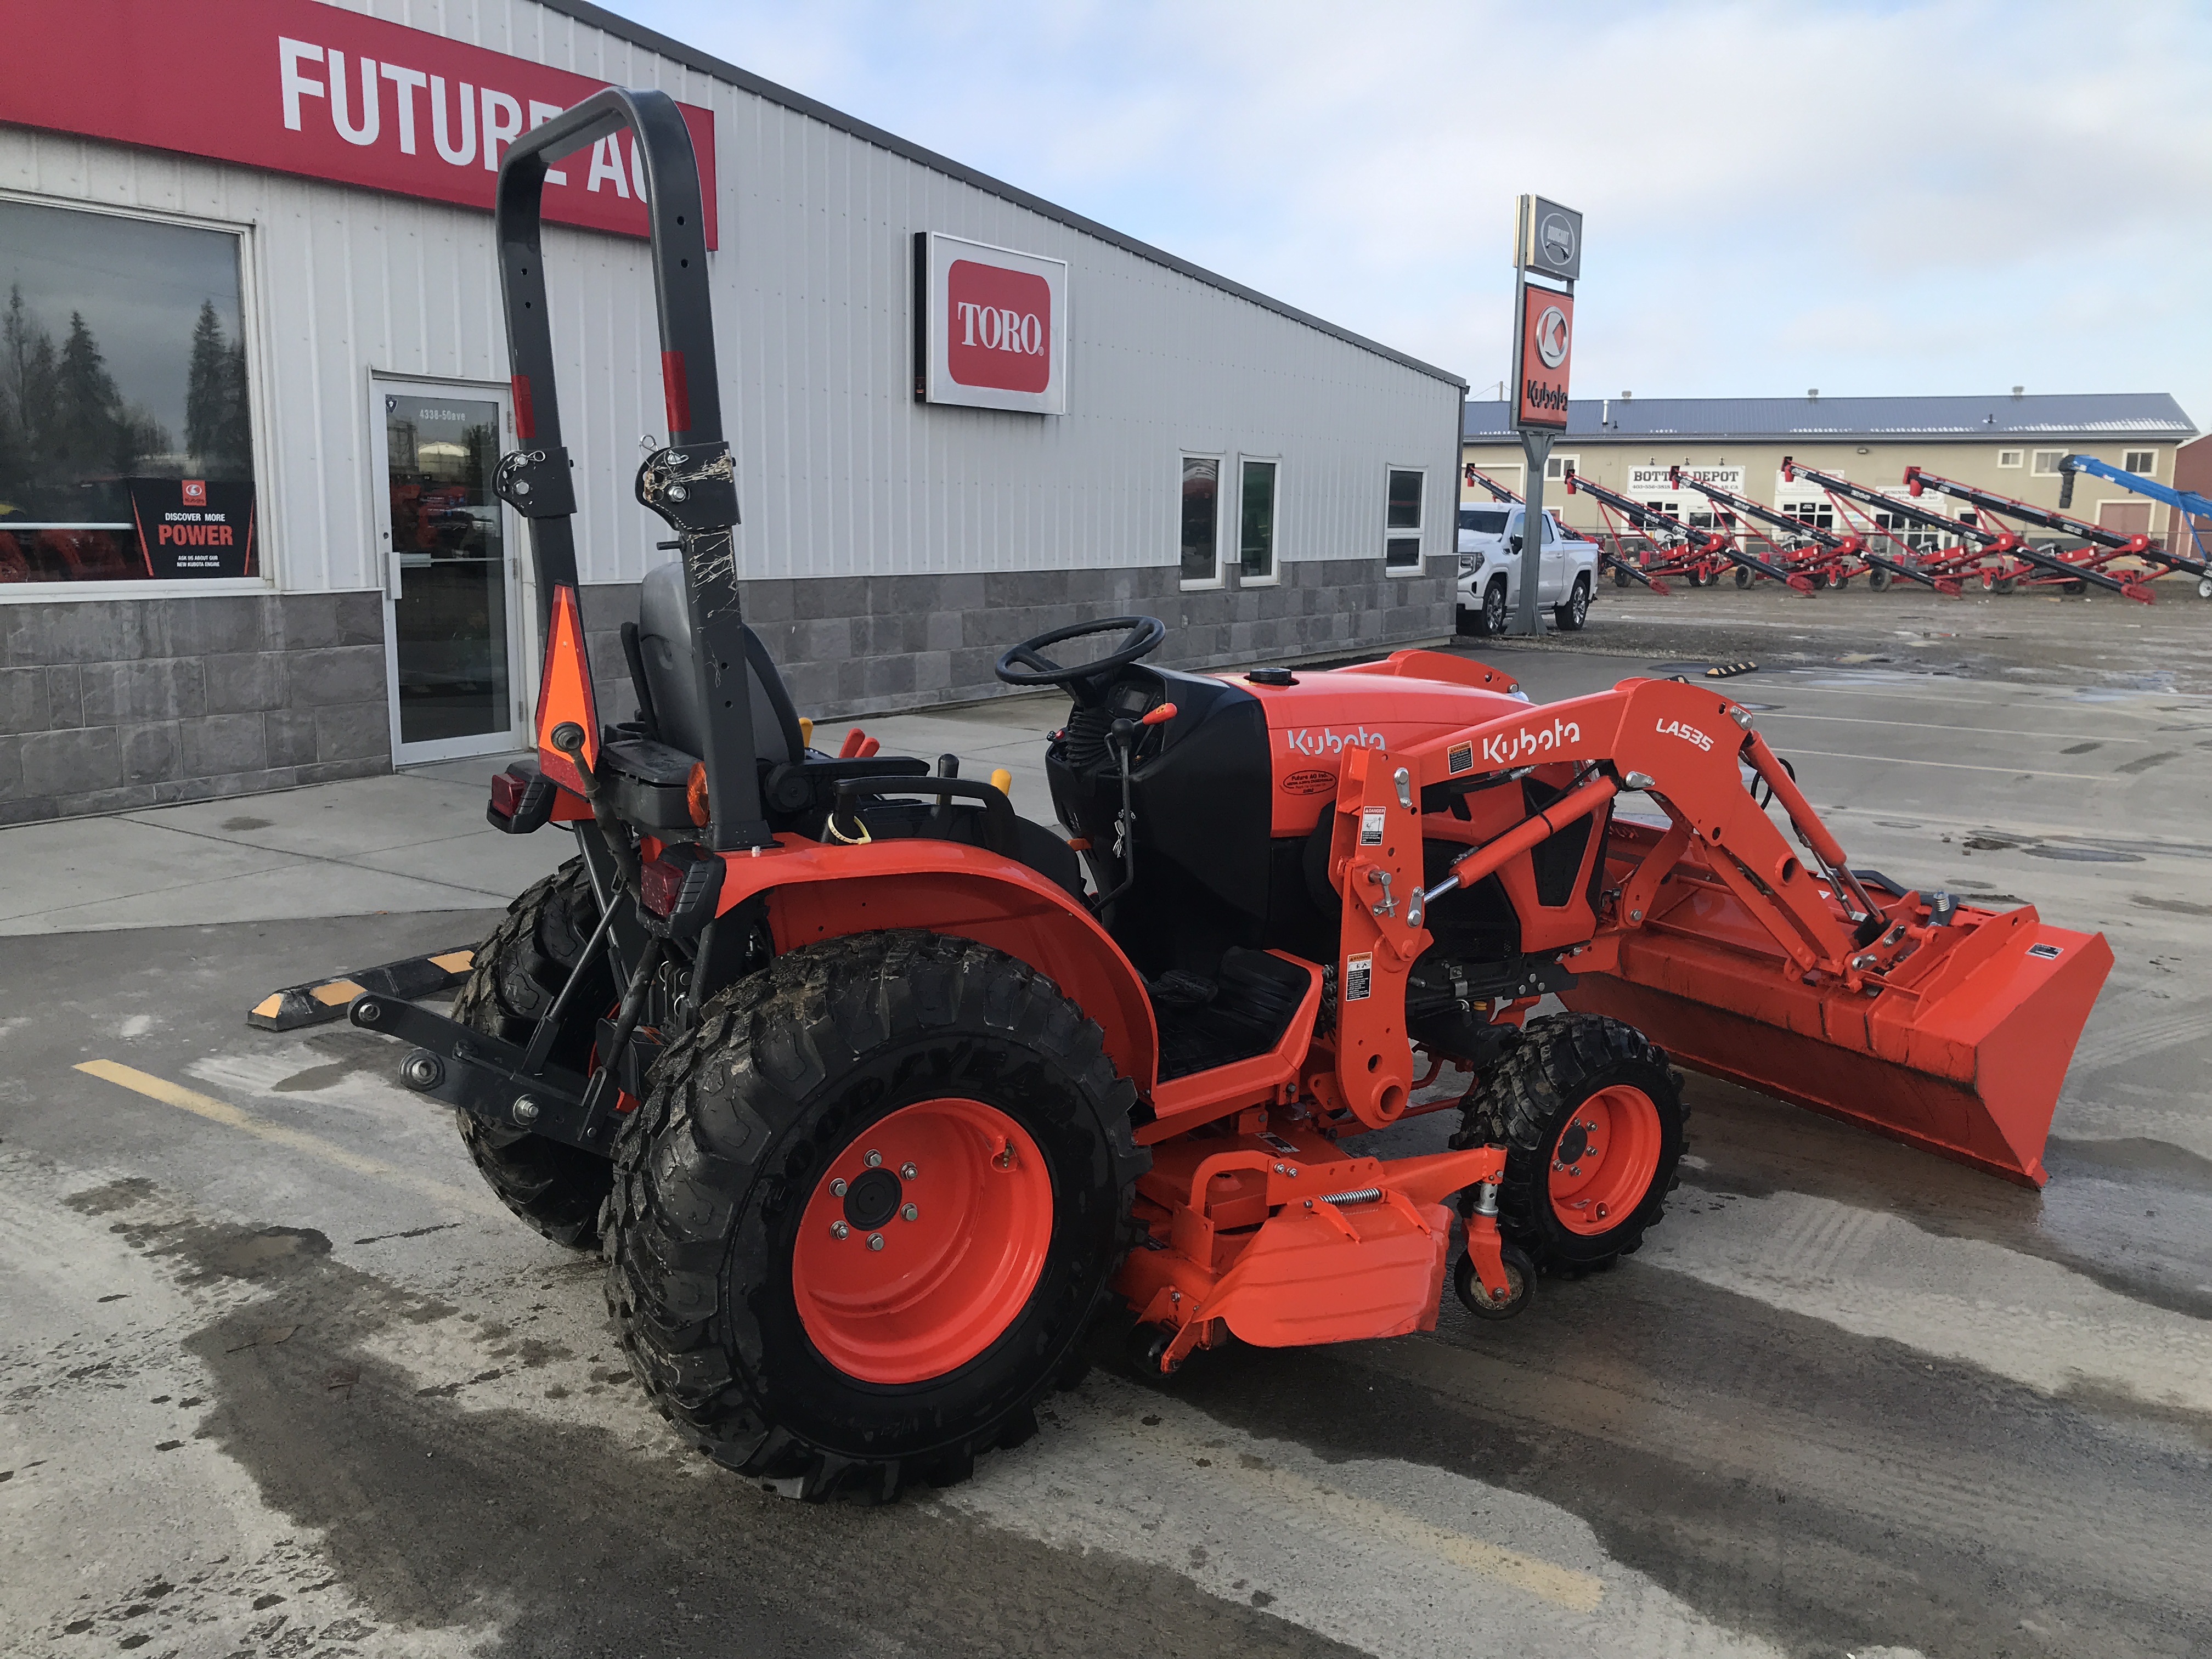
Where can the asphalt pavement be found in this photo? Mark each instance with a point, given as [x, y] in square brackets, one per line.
[281, 1377]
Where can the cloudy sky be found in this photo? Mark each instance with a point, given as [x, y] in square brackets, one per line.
[1953, 196]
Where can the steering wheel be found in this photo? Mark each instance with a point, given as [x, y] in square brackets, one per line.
[1027, 665]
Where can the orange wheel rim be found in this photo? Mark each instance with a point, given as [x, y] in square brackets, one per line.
[922, 1241]
[1604, 1159]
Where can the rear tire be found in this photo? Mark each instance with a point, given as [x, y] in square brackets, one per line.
[1572, 1071]
[518, 971]
[1742, 577]
[1575, 612]
[729, 1277]
[1878, 579]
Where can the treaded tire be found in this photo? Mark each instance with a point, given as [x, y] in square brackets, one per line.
[786, 1069]
[1529, 1099]
[518, 971]
[1575, 612]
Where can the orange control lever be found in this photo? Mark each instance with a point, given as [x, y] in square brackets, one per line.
[1166, 711]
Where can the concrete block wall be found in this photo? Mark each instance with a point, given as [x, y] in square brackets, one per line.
[865, 645]
[110, 705]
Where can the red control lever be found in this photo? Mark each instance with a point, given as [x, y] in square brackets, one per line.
[1166, 711]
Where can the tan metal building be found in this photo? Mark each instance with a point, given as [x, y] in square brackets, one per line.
[2009, 444]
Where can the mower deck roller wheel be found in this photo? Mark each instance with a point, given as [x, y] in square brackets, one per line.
[1591, 1115]
[518, 971]
[1520, 1284]
[760, 1313]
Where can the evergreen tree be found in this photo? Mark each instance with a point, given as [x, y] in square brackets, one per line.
[235, 434]
[207, 389]
[84, 418]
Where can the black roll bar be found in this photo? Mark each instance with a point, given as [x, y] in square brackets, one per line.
[691, 483]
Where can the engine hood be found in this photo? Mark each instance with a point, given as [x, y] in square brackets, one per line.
[1411, 696]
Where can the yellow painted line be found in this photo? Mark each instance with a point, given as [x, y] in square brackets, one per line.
[455, 962]
[268, 1006]
[223, 1112]
[338, 991]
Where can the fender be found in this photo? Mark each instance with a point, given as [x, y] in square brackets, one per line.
[815, 893]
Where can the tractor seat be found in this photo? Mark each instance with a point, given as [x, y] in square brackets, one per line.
[665, 646]
[664, 639]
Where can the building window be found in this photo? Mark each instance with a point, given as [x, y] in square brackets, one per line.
[1401, 521]
[2143, 462]
[1556, 467]
[1201, 521]
[2046, 463]
[1821, 514]
[1255, 540]
[2008, 458]
[126, 450]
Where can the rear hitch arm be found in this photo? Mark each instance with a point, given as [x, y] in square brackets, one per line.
[489, 1078]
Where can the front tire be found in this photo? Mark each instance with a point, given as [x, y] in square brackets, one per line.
[1490, 621]
[1878, 579]
[1591, 1116]
[517, 973]
[761, 1312]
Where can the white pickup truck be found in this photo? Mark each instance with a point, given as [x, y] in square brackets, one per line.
[1490, 569]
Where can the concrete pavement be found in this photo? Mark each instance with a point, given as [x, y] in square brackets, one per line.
[283, 1378]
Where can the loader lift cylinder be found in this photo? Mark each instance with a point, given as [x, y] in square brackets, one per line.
[691, 482]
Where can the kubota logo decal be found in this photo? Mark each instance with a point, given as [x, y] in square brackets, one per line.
[1326, 742]
[1689, 734]
[1509, 747]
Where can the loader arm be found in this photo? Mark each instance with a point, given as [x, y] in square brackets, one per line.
[1927, 1021]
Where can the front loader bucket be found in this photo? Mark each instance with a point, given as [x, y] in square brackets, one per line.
[1959, 1048]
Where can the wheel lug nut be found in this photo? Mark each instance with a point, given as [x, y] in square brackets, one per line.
[907, 1172]
[837, 1188]
[838, 1229]
[875, 1241]
[874, 1160]
[910, 1213]
[1574, 1169]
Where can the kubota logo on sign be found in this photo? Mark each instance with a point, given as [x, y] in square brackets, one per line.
[1511, 748]
[998, 327]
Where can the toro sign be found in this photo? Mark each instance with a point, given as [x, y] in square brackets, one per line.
[991, 327]
[1546, 349]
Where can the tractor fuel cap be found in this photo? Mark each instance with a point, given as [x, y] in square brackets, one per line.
[1272, 676]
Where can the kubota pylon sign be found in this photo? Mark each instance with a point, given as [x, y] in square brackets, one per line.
[1547, 341]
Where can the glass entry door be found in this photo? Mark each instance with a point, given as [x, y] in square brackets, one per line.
[450, 606]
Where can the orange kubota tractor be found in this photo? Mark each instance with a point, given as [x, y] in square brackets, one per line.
[875, 1095]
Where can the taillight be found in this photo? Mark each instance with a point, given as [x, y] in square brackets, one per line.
[659, 882]
[506, 789]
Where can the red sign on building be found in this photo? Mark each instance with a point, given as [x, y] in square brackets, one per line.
[998, 327]
[1546, 351]
[993, 329]
[297, 86]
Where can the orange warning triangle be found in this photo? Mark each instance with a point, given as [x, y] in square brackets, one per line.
[564, 693]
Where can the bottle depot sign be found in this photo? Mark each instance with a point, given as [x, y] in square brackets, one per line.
[991, 326]
[298, 86]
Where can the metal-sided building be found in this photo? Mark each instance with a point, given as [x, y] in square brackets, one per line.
[2008, 444]
[253, 373]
